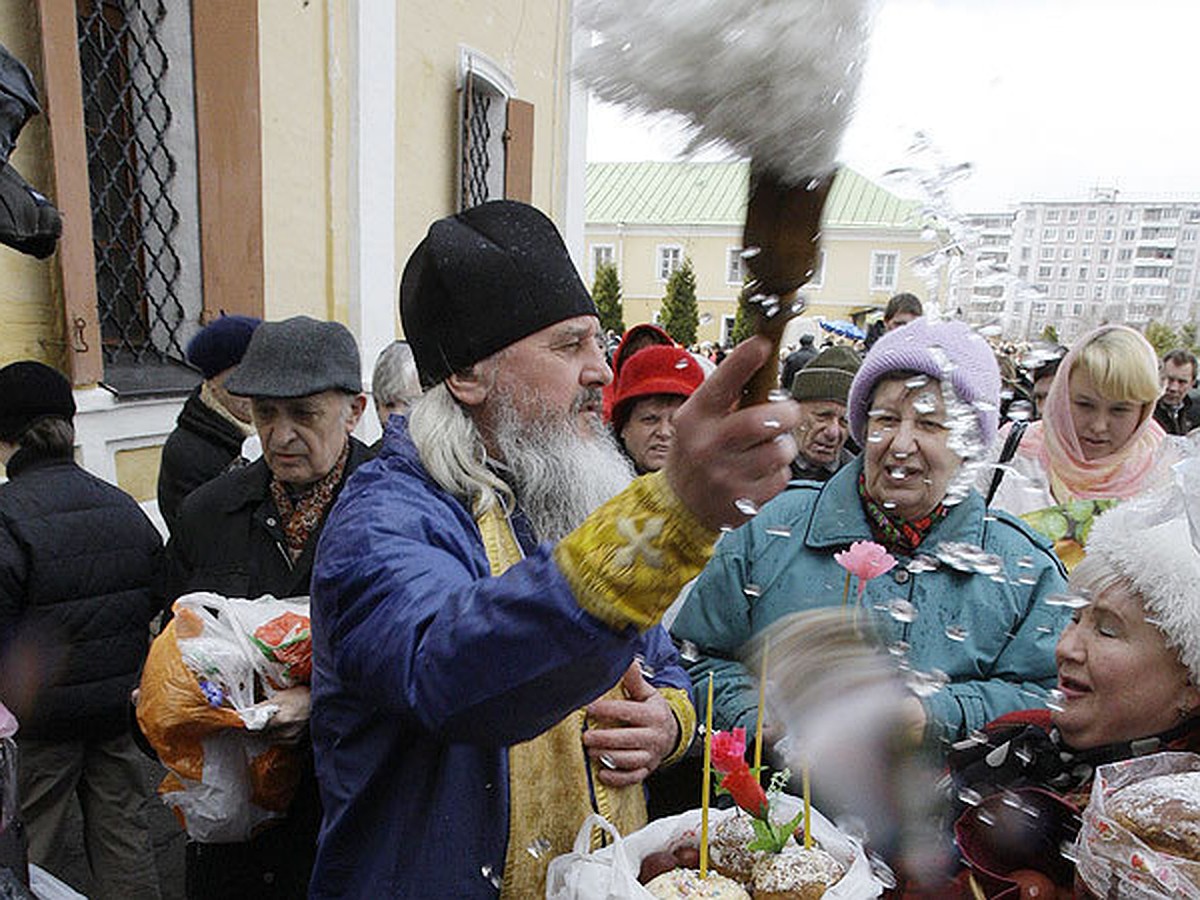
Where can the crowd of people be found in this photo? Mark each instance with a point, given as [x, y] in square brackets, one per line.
[519, 594]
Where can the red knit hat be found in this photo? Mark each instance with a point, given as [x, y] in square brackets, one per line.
[654, 370]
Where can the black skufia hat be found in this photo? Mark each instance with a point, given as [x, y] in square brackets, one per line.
[30, 391]
[482, 280]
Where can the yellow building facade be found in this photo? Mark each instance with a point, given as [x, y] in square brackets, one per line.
[261, 158]
[646, 218]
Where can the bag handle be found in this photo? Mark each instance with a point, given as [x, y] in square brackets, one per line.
[1011, 443]
[583, 840]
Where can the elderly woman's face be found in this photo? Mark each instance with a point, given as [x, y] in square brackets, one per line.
[908, 464]
[1102, 425]
[1120, 680]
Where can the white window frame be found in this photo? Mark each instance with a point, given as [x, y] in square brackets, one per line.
[489, 76]
[727, 323]
[889, 258]
[663, 261]
[735, 267]
[612, 257]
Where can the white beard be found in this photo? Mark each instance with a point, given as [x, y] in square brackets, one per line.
[558, 474]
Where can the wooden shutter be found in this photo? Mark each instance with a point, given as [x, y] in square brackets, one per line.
[518, 152]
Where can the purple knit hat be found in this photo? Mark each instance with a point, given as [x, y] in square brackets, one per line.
[941, 350]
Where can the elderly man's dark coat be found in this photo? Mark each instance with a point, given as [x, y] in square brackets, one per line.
[229, 540]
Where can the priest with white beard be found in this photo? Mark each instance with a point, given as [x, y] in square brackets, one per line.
[488, 668]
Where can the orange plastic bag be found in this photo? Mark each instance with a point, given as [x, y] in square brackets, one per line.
[197, 708]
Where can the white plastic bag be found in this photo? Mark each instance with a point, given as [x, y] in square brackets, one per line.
[1111, 860]
[226, 650]
[607, 874]
[198, 692]
[583, 875]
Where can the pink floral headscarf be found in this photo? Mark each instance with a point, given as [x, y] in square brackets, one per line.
[1054, 444]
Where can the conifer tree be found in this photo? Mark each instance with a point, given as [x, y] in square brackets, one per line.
[680, 315]
[606, 292]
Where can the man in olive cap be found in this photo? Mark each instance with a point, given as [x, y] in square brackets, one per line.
[821, 387]
[254, 531]
[487, 664]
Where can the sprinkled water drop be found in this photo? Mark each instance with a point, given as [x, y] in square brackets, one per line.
[916, 382]
[752, 590]
[985, 817]
[922, 563]
[779, 531]
[902, 611]
[779, 394]
[956, 633]
[1020, 411]
[771, 423]
[683, 363]
[899, 648]
[883, 872]
[1070, 601]
[689, 652]
[1068, 851]
[1055, 700]
[925, 404]
[969, 797]
[1025, 562]
[491, 875]
[889, 504]
[874, 438]
[898, 473]
[751, 252]
[746, 506]
[539, 847]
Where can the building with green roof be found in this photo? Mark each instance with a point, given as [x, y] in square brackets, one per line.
[647, 217]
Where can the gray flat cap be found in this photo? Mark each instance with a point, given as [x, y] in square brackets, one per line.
[298, 357]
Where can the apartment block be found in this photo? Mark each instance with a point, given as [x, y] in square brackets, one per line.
[1077, 264]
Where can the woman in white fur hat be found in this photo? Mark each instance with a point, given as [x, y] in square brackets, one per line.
[1128, 668]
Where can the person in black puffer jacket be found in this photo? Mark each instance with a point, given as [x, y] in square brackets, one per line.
[213, 424]
[79, 571]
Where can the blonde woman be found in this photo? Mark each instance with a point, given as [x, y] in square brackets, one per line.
[1096, 444]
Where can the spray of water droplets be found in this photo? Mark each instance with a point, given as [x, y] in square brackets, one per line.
[746, 506]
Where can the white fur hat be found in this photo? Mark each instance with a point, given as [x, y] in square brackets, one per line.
[1150, 542]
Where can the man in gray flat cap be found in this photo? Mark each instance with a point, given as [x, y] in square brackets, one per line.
[254, 531]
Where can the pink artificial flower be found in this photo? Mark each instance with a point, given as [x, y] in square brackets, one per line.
[728, 749]
[865, 560]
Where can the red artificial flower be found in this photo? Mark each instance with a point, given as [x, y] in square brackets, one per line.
[728, 749]
[746, 791]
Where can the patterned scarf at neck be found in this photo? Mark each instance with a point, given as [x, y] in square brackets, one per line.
[898, 535]
[302, 514]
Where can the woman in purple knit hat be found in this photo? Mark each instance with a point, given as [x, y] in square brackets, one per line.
[964, 603]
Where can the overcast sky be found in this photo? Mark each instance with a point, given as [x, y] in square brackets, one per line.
[1045, 98]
